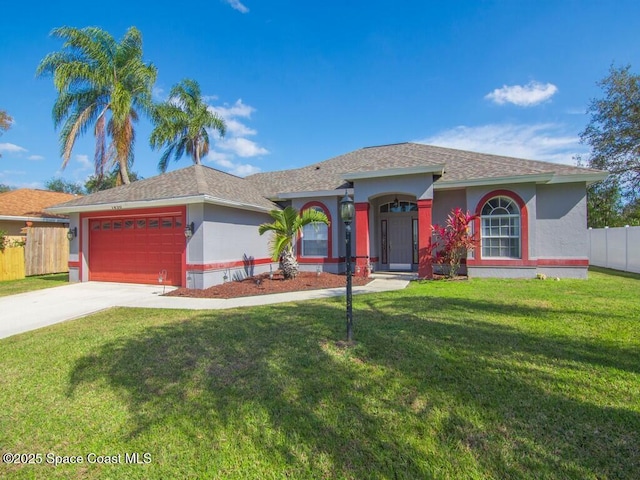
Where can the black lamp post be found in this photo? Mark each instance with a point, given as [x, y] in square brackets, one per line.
[347, 211]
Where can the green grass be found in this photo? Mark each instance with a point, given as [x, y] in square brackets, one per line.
[12, 287]
[479, 379]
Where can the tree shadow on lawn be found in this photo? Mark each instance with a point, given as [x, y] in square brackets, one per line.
[456, 317]
[415, 398]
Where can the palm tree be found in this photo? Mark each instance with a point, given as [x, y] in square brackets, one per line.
[181, 124]
[99, 82]
[286, 226]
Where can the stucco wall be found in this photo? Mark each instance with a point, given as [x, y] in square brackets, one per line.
[561, 223]
[556, 230]
[227, 243]
[420, 186]
[444, 201]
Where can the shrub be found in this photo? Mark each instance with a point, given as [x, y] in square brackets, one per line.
[454, 240]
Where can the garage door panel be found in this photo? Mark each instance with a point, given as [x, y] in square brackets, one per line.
[136, 250]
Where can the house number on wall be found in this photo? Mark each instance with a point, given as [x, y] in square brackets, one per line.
[116, 207]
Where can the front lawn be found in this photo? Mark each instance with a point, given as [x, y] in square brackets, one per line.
[12, 287]
[472, 379]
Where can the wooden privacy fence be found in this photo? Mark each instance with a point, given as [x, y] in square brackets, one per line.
[46, 251]
[12, 263]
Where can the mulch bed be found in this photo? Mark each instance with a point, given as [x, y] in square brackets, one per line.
[262, 285]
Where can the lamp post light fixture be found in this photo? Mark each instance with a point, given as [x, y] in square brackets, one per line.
[188, 232]
[72, 233]
[347, 212]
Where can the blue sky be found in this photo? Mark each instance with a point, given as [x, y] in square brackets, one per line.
[301, 82]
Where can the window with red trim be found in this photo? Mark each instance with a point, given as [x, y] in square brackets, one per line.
[315, 238]
[501, 228]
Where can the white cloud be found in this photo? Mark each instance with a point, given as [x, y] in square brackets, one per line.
[241, 147]
[35, 157]
[11, 148]
[528, 95]
[237, 5]
[84, 161]
[548, 142]
[238, 109]
[224, 161]
[234, 142]
[237, 129]
[5, 173]
[158, 93]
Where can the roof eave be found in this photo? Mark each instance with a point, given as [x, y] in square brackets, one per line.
[545, 178]
[589, 178]
[241, 205]
[337, 192]
[158, 203]
[481, 182]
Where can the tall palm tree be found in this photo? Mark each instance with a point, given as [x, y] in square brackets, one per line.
[100, 82]
[286, 226]
[181, 124]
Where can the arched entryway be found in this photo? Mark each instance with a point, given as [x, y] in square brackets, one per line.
[398, 222]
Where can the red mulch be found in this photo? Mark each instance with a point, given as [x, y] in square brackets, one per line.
[262, 285]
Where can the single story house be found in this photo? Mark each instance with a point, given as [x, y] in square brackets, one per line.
[198, 227]
[25, 207]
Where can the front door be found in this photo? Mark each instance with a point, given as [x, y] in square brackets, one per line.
[400, 248]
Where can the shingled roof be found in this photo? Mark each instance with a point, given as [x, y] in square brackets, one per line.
[27, 202]
[453, 169]
[459, 166]
[189, 185]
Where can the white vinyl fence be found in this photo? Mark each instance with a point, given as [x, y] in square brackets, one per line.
[617, 248]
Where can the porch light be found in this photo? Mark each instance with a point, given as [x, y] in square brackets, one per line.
[72, 233]
[347, 211]
[188, 232]
[396, 203]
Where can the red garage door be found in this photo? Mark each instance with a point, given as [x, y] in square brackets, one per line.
[136, 249]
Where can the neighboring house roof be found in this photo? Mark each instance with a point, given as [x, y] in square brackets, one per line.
[194, 184]
[458, 167]
[26, 203]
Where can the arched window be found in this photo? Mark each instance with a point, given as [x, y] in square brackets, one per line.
[315, 238]
[398, 207]
[501, 232]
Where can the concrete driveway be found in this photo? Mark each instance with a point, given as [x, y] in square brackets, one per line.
[28, 311]
[31, 310]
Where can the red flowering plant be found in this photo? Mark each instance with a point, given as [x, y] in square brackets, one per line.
[454, 240]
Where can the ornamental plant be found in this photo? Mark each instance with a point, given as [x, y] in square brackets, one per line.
[454, 240]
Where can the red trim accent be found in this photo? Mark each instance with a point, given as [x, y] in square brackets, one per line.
[362, 238]
[315, 260]
[425, 266]
[125, 213]
[524, 234]
[326, 211]
[563, 262]
[224, 265]
[74, 264]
